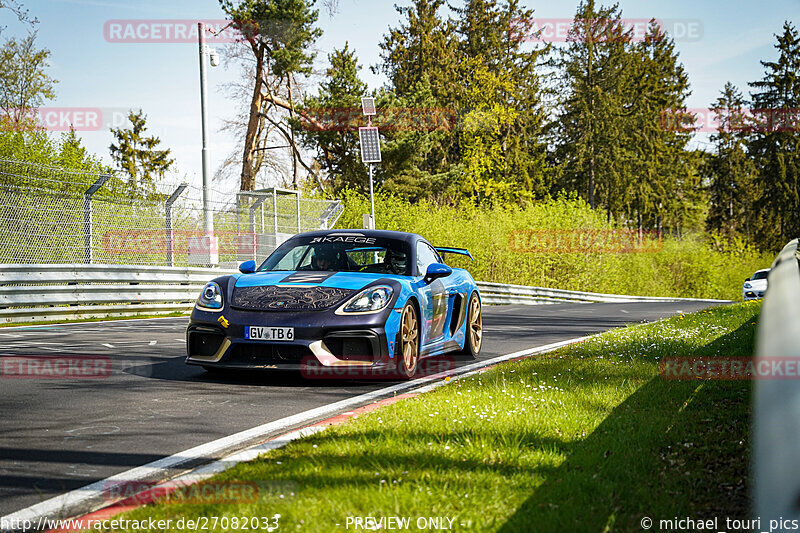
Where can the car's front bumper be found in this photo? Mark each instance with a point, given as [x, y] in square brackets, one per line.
[322, 340]
[752, 294]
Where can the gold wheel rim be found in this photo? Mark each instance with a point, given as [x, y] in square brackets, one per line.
[409, 338]
[475, 323]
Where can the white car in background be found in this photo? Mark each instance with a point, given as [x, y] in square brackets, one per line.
[756, 286]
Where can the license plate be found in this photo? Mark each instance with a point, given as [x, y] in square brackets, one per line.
[268, 333]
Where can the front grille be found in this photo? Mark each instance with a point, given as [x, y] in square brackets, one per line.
[276, 298]
[267, 354]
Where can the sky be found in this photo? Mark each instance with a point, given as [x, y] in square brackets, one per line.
[718, 41]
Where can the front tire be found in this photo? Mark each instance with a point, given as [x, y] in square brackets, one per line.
[474, 333]
[407, 353]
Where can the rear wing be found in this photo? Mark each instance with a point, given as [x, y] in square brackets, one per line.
[459, 251]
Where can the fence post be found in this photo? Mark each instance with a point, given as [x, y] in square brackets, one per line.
[256, 204]
[297, 198]
[168, 222]
[87, 217]
[275, 214]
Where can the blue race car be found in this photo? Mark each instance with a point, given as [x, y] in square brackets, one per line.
[371, 301]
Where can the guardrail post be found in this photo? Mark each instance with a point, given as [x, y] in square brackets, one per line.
[168, 222]
[87, 217]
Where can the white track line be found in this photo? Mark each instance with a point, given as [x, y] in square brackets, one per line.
[91, 497]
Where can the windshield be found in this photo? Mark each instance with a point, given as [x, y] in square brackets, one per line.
[760, 275]
[341, 253]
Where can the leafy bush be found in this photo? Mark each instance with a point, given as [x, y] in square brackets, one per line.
[692, 266]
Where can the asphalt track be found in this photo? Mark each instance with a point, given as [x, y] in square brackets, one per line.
[58, 435]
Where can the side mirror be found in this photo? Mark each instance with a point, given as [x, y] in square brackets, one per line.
[436, 271]
[748, 279]
[248, 267]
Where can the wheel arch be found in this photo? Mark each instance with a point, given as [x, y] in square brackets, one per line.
[413, 300]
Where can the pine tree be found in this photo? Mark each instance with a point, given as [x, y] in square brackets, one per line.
[476, 68]
[421, 49]
[730, 169]
[666, 184]
[335, 137]
[594, 121]
[500, 102]
[775, 142]
[421, 155]
[420, 150]
[137, 155]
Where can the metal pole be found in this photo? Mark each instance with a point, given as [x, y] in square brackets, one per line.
[238, 208]
[87, 229]
[87, 218]
[371, 195]
[168, 222]
[170, 238]
[371, 200]
[297, 197]
[208, 220]
[275, 214]
[258, 203]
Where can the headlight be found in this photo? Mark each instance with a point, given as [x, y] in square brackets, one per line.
[369, 300]
[748, 286]
[210, 297]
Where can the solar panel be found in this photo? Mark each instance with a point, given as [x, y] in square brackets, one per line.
[370, 145]
[368, 106]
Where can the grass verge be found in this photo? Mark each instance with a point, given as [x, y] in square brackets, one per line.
[587, 438]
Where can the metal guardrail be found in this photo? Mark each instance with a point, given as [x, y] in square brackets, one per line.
[499, 293]
[776, 427]
[30, 293]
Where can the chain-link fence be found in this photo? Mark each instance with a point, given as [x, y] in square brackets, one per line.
[52, 215]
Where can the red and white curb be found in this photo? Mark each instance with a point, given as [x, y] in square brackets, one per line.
[93, 498]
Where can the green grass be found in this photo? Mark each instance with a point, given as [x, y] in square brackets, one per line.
[587, 438]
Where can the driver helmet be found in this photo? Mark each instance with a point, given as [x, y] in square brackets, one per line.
[325, 254]
[395, 259]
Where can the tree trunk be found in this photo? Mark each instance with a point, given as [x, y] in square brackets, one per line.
[591, 180]
[248, 181]
[291, 131]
